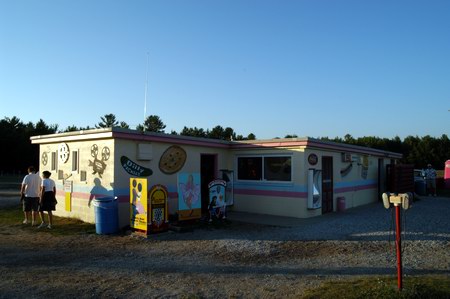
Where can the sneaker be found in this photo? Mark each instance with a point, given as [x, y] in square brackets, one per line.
[25, 221]
[41, 225]
[49, 226]
[33, 223]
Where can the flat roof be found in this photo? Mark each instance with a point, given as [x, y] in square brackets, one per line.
[128, 134]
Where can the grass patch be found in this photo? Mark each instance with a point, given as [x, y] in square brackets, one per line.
[384, 287]
[13, 217]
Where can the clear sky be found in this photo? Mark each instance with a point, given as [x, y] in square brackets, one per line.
[311, 68]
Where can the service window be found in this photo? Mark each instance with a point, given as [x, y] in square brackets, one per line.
[277, 169]
[265, 168]
[250, 168]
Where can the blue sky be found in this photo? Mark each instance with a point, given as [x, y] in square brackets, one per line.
[311, 68]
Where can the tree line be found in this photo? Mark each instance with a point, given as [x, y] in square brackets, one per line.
[17, 152]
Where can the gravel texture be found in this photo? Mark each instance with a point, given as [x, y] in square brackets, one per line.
[237, 260]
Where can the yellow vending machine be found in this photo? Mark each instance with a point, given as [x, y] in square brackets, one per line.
[159, 220]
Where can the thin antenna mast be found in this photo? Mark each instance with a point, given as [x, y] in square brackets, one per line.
[146, 88]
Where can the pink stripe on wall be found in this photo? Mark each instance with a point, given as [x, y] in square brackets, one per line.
[355, 188]
[299, 194]
[120, 198]
[81, 195]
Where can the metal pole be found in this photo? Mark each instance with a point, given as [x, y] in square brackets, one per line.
[398, 243]
[145, 95]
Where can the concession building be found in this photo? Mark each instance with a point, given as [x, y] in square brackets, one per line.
[294, 177]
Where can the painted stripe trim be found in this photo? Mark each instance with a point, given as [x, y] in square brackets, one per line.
[355, 188]
[297, 194]
[271, 193]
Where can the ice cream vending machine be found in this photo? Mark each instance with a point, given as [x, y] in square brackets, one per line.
[314, 188]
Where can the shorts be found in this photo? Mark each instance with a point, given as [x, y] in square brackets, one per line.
[30, 204]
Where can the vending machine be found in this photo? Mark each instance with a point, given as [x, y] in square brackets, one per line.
[314, 188]
[159, 220]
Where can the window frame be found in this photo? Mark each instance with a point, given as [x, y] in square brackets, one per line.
[54, 161]
[75, 164]
[263, 174]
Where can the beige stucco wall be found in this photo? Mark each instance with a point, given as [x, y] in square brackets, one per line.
[269, 203]
[96, 184]
[113, 180]
[129, 148]
[356, 188]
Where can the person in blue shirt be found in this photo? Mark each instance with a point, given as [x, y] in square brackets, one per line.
[430, 177]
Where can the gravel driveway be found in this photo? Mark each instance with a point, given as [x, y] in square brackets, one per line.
[240, 260]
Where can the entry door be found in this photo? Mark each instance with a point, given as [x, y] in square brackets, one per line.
[207, 173]
[327, 184]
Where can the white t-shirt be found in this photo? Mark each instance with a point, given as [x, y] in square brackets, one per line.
[32, 183]
[48, 184]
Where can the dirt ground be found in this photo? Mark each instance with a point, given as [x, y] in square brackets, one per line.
[234, 261]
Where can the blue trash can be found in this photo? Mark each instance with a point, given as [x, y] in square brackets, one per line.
[106, 215]
[420, 187]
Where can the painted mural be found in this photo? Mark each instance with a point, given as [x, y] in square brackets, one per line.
[138, 204]
[135, 169]
[346, 170]
[217, 201]
[99, 165]
[189, 196]
[172, 160]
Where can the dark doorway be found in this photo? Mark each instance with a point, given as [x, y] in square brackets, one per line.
[208, 173]
[327, 185]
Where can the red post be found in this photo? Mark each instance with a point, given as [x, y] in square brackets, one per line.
[398, 243]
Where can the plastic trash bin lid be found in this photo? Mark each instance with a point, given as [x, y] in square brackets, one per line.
[106, 199]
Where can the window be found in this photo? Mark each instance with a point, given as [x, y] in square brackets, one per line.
[74, 160]
[277, 168]
[250, 168]
[54, 160]
[267, 168]
[83, 176]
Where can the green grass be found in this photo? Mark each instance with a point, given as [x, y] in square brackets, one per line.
[13, 217]
[384, 287]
